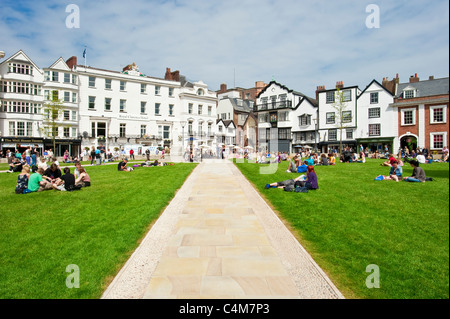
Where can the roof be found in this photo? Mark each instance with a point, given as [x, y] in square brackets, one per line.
[376, 82]
[245, 107]
[281, 86]
[425, 88]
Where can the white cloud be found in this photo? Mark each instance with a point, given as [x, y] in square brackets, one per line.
[301, 44]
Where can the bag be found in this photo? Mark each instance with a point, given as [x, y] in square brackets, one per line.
[379, 178]
[289, 188]
[301, 190]
[429, 179]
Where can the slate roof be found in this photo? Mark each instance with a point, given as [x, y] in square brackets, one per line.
[245, 107]
[426, 88]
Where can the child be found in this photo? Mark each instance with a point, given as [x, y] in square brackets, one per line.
[22, 180]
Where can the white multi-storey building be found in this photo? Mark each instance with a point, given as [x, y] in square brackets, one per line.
[61, 84]
[197, 115]
[329, 126]
[126, 109]
[284, 116]
[377, 120]
[130, 110]
[21, 101]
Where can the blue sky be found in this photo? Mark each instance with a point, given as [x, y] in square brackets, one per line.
[301, 44]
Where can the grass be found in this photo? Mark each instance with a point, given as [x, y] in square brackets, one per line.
[353, 221]
[96, 229]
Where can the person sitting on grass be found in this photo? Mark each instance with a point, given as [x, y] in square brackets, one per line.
[395, 173]
[331, 159]
[362, 157]
[389, 161]
[65, 182]
[303, 168]
[53, 173]
[16, 165]
[311, 179]
[421, 158]
[292, 168]
[418, 174]
[76, 172]
[122, 166]
[323, 160]
[42, 163]
[309, 183]
[36, 182]
[22, 180]
[83, 180]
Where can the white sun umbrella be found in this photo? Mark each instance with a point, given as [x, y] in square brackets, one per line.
[249, 147]
[307, 146]
[237, 147]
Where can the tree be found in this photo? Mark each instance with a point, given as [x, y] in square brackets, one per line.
[340, 119]
[52, 111]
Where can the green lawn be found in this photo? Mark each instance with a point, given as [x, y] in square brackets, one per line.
[353, 221]
[96, 229]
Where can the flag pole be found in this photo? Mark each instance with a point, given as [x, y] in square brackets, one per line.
[84, 57]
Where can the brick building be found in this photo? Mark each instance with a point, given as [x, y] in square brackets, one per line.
[422, 110]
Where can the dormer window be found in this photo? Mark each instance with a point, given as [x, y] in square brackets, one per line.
[408, 94]
[200, 92]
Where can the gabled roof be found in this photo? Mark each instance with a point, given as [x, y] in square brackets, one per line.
[228, 123]
[20, 54]
[376, 82]
[281, 86]
[60, 64]
[426, 88]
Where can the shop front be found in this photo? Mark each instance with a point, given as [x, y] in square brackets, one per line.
[21, 144]
[377, 144]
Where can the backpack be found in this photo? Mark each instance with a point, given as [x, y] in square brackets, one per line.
[301, 190]
[289, 188]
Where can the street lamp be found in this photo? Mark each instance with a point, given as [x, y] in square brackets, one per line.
[183, 124]
[315, 134]
[2, 54]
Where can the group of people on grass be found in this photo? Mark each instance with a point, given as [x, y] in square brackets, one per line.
[123, 165]
[304, 183]
[396, 171]
[50, 177]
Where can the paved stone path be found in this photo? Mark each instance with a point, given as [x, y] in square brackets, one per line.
[219, 239]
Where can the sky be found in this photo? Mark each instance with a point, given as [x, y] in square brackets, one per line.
[300, 44]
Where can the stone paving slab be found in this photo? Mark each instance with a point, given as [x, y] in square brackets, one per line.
[219, 239]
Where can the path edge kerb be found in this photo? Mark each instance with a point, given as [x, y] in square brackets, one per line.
[273, 229]
[133, 278]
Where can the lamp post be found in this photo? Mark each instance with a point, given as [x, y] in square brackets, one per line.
[2, 54]
[315, 135]
[183, 124]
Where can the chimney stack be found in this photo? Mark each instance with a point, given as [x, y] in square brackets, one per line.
[339, 85]
[172, 76]
[413, 79]
[431, 77]
[319, 88]
[223, 87]
[71, 62]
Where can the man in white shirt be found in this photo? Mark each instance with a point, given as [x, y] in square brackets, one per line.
[421, 158]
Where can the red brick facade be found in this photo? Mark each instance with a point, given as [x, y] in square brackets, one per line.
[426, 120]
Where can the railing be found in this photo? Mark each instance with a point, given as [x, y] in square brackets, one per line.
[272, 106]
